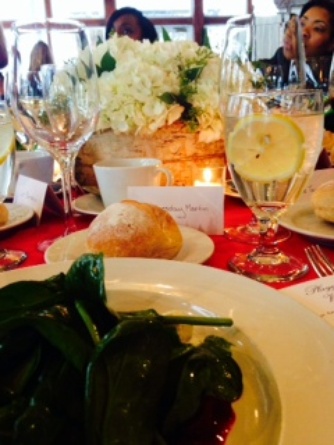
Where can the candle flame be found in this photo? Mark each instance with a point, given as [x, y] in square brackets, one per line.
[207, 175]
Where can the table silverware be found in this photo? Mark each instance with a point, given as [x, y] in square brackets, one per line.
[320, 262]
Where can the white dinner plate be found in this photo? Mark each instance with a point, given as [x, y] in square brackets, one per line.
[18, 214]
[197, 247]
[296, 346]
[88, 204]
[301, 218]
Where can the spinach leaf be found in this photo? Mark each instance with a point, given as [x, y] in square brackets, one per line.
[85, 284]
[22, 296]
[206, 370]
[125, 382]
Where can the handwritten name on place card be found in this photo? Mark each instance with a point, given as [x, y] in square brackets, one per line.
[198, 207]
[30, 192]
[317, 295]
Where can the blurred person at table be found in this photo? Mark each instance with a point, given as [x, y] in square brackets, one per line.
[40, 55]
[316, 20]
[3, 60]
[131, 22]
[3, 49]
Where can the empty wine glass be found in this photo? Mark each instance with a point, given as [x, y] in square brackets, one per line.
[57, 103]
[273, 141]
[8, 258]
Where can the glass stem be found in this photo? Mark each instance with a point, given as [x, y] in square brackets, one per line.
[266, 249]
[66, 168]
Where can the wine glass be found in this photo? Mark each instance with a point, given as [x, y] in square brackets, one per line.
[245, 67]
[57, 102]
[273, 142]
[8, 258]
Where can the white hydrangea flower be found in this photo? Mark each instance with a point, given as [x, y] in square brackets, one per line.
[142, 93]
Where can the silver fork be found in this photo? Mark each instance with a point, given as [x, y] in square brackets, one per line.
[320, 262]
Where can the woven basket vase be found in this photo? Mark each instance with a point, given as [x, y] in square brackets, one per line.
[177, 148]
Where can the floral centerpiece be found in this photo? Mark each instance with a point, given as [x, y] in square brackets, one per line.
[145, 86]
[150, 91]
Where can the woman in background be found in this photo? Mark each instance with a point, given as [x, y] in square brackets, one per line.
[40, 55]
[132, 23]
[3, 49]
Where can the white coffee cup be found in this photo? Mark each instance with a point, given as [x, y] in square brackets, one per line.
[115, 176]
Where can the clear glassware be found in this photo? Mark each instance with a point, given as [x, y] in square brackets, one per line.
[273, 142]
[57, 103]
[245, 67]
[8, 258]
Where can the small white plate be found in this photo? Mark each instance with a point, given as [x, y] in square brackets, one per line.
[18, 215]
[197, 247]
[301, 218]
[89, 204]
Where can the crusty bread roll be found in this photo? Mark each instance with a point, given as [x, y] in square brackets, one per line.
[323, 201]
[4, 214]
[134, 229]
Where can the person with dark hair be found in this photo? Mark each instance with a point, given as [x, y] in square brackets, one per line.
[317, 23]
[40, 55]
[317, 30]
[132, 23]
[3, 49]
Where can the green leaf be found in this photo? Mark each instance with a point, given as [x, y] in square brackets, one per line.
[23, 296]
[193, 74]
[165, 35]
[63, 337]
[85, 284]
[206, 40]
[207, 370]
[169, 98]
[85, 278]
[108, 64]
[125, 382]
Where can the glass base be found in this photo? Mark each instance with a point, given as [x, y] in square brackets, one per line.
[268, 268]
[249, 234]
[9, 259]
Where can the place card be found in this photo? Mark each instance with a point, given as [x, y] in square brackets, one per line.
[198, 207]
[33, 193]
[317, 295]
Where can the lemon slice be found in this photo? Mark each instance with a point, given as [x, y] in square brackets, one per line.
[266, 148]
[7, 141]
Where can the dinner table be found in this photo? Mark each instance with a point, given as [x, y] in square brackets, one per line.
[295, 342]
[29, 235]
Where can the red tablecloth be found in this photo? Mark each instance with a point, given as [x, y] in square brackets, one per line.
[28, 236]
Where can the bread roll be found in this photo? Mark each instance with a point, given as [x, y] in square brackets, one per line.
[323, 201]
[4, 214]
[134, 229]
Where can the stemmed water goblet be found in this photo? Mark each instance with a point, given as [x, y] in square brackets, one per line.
[8, 258]
[273, 142]
[244, 69]
[58, 104]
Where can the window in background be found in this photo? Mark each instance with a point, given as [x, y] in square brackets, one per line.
[22, 10]
[176, 32]
[264, 7]
[213, 8]
[78, 9]
[154, 8]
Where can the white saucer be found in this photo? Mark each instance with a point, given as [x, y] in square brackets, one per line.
[89, 204]
[301, 218]
[18, 215]
[197, 247]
